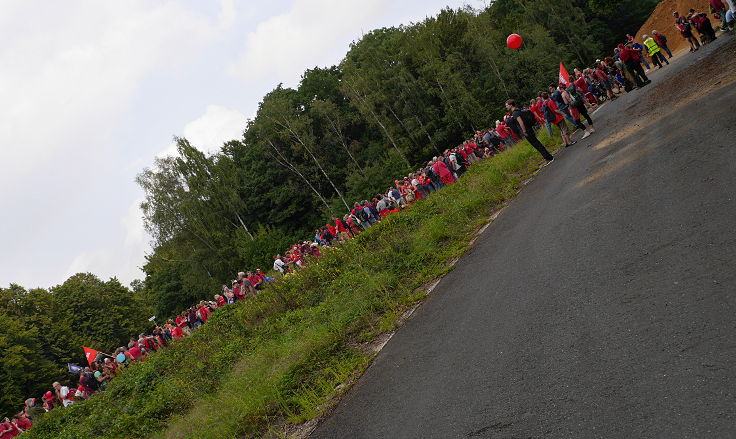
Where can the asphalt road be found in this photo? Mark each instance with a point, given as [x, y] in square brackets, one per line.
[600, 303]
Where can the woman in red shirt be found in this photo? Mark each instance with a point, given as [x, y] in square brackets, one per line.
[559, 119]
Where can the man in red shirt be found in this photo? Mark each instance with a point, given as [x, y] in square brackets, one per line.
[204, 311]
[631, 60]
[341, 227]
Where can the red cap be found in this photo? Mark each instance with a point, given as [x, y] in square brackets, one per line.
[48, 395]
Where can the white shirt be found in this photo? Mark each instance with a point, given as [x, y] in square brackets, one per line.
[278, 265]
[64, 393]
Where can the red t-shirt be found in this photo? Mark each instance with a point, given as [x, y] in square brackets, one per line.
[134, 352]
[205, 313]
[600, 74]
[340, 226]
[24, 423]
[11, 430]
[221, 301]
[552, 106]
[581, 85]
[331, 229]
[177, 332]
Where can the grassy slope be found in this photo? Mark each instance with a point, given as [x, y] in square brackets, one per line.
[280, 356]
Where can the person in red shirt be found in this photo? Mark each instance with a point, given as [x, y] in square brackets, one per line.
[315, 250]
[175, 331]
[683, 25]
[351, 223]
[204, 311]
[631, 60]
[8, 429]
[602, 77]
[702, 23]
[559, 119]
[135, 352]
[221, 301]
[340, 226]
[22, 421]
[582, 87]
[49, 401]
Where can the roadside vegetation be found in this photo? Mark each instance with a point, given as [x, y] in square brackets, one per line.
[277, 359]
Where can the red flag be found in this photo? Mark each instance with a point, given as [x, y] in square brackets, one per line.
[90, 354]
[564, 76]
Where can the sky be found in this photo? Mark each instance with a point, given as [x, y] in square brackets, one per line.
[93, 91]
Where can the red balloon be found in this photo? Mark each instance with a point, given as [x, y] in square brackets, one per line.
[513, 41]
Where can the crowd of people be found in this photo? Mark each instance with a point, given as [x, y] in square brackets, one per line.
[570, 101]
[438, 172]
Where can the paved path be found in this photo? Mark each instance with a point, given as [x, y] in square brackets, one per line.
[601, 302]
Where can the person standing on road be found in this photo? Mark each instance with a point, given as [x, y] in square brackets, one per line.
[654, 51]
[683, 25]
[631, 60]
[578, 104]
[526, 121]
[662, 42]
[552, 113]
[642, 54]
[702, 23]
[720, 8]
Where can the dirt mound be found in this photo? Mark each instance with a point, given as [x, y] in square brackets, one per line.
[663, 22]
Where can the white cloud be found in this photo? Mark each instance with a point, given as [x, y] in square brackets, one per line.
[312, 32]
[121, 260]
[70, 73]
[80, 72]
[209, 131]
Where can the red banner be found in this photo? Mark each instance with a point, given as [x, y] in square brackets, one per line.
[564, 76]
[90, 354]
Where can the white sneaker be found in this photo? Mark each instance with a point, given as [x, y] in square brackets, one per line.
[591, 129]
[587, 134]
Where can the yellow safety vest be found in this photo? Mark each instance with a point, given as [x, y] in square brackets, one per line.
[651, 45]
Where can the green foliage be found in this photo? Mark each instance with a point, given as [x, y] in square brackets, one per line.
[42, 330]
[280, 357]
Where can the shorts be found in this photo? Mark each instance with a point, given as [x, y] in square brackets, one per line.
[605, 84]
[563, 127]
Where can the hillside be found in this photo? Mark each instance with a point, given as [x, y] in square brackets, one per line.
[662, 21]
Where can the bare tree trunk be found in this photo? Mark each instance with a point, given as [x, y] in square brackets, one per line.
[244, 226]
[285, 163]
[342, 141]
[287, 125]
[448, 101]
[383, 127]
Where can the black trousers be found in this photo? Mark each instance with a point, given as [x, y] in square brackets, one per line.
[532, 138]
[637, 72]
[584, 113]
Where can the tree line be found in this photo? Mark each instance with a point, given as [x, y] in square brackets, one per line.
[400, 96]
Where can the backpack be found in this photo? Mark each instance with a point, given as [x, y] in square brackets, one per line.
[577, 100]
[362, 216]
[549, 115]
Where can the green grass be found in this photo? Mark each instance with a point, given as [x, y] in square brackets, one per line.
[281, 357]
